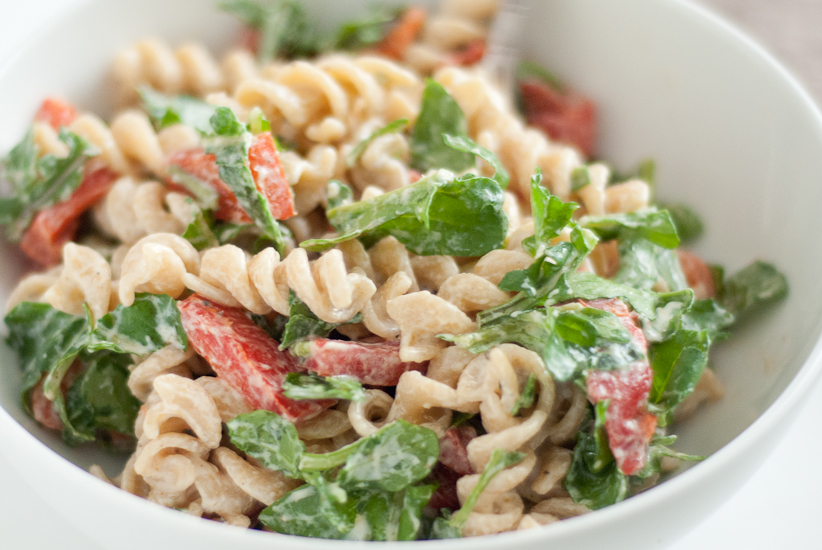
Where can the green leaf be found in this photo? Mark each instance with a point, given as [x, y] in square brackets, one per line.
[398, 455]
[199, 232]
[677, 364]
[688, 223]
[269, 438]
[231, 146]
[602, 456]
[593, 489]
[149, 324]
[758, 284]
[567, 341]
[300, 385]
[529, 70]
[257, 123]
[55, 180]
[642, 264]
[527, 396]
[551, 216]
[20, 166]
[390, 128]
[657, 450]
[396, 516]
[100, 398]
[204, 195]
[303, 325]
[448, 528]
[44, 338]
[365, 31]
[467, 145]
[166, 110]
[284, 27]
[306, 512]
[339, 194]
[439, 115]
[652, 225]
[436, 215]
[708, 315]
[580, 178]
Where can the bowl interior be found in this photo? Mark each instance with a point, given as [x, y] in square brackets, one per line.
[732, 136]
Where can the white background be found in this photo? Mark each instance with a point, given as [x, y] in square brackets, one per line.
[779, 508]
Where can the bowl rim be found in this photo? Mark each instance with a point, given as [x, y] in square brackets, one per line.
[789, 400]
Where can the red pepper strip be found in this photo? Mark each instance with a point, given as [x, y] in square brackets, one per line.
[56, 112]
[567, 117]
[55, 226]
[628, 424]
[245, 357]
[473, 53]
[403, 33]
[269, 176]
[374, 364]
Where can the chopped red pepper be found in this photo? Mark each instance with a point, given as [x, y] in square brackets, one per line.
[403, 33]
[454, 448]
[565, 117]
[56, 112]
[53, 227]
[472, 53]
[245, 357]
[266, 169]
[698, 275]
[374, 364]
[628, 424]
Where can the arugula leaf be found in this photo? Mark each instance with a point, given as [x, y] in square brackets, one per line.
[542, 280]
[652, 225]
[306, 512]
[657, 450]
[467, 145]
[529, 70]
[302, 385]
[436, 215]
[602, 456]
[396, 516]
[41, 336]
[677, 364]
[149, 324]
[551, 216]
[303, 325]
[580, 178]
[451, 527]
[439, 115]
[230, 145]
[269, 438]
[284, 27]
[758, 284]
[199, 232]
[398, 455]
[363, 32]
[53, 180]
[166, 110]
[100, 398]
[204, 195]
[339, 194]
[527, 395]
[20, 166]
[391, 128]
[593, 489]
[688, 224]
[567, 341]
[642, 264]
[708, 315]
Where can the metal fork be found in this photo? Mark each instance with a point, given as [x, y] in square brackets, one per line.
[504, 43]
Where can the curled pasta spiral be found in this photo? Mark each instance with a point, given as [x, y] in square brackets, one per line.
[157, 264]
[132, 210]
[457, 24]
[262, 283]
[193, 471]
[189, 69]
[323, 100]
[85, 278]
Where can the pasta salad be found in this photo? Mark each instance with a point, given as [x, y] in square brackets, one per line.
[342, 286]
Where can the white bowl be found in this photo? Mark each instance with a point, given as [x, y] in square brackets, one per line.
[733, 135]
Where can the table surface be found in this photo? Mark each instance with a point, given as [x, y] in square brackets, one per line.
[775, 509]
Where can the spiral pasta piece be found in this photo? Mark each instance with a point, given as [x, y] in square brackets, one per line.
[132, 210]
[84, 279]
[262, 283]
[189, 69]
[168, 360]
[157, 264]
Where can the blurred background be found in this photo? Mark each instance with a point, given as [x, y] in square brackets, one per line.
[789, 28]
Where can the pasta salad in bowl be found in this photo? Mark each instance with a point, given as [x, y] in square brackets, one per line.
[337, 283]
